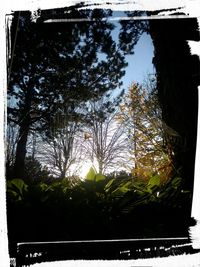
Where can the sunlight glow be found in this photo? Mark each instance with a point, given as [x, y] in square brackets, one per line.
[84, 169]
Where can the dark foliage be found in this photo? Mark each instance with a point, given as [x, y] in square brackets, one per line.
[97, 208]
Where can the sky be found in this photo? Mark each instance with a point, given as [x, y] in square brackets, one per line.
[140, 63]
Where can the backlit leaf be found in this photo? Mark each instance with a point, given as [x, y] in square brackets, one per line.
[91, 174]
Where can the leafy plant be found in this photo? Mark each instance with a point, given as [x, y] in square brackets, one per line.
[16, 189]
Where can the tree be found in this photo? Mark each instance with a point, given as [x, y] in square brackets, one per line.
[11, 142]
[141, 116]
[105, 142]
[177, 86]
[54, 65]
[61, 150]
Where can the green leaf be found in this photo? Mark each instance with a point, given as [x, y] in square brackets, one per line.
[108, 185]
[123, 188]
[13, 194]
[176, 182]
[18, 184]
[43, 186]
[126, 187]
[118, 193]
[99, 177]
[153, 182]
[17, 187]
[91, 174]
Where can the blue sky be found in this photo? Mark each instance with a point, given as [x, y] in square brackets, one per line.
[140, 63]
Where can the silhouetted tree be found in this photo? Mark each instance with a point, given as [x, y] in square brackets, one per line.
[55, 65]
[177, 80]
[61, 149]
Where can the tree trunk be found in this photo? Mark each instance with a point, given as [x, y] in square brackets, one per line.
[25, 124]
[19, 165]
[100, 166]
[177, 88]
